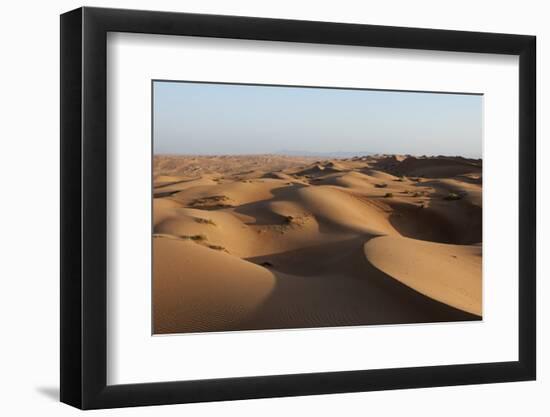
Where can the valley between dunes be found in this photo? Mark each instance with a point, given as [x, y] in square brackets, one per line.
[269, 241]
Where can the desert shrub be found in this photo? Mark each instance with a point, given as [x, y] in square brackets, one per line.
[212, 202]
[196, 238]
[388, 195]
[381, 185]
[217, 247]
[452, 197]
[205, 221]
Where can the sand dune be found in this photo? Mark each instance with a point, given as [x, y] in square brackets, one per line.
[447, 273]
[212, 297]
[268, 241]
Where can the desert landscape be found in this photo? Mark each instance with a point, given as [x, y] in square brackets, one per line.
[253, 242]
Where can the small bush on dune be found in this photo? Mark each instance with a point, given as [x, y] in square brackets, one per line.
[217, 247]
[388, 195]
[452, 197]
[381, 185]
[196, 238]
[205, 221]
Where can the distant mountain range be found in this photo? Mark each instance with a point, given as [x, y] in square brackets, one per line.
[324, 155]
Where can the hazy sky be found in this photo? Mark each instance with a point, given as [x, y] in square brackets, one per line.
[199, 118]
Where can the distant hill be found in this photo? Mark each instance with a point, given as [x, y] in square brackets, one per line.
[324, 155]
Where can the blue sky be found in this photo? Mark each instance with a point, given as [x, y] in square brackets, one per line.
[202, 118]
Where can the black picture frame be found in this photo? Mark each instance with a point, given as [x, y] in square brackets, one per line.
[84, 207]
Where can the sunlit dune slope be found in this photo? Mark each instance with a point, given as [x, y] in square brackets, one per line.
[447, 273]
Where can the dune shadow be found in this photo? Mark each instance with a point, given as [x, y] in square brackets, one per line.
[322, 257]
[416, 222]
[335, 285]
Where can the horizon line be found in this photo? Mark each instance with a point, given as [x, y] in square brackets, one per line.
[326, 154]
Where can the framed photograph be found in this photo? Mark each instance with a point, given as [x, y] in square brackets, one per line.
[257, 208]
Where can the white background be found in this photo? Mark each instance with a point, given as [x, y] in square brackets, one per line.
[134, 356]
[30, 204]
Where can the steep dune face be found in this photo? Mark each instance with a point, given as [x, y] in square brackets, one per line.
[450, 274]
[339, 208]
[439, 221]
[266, 242]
